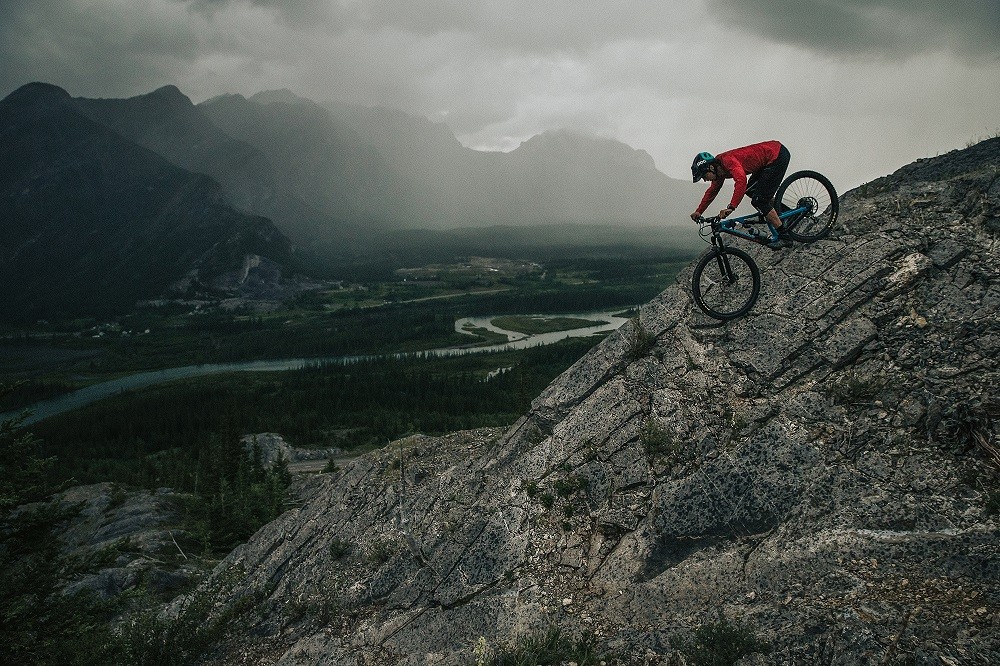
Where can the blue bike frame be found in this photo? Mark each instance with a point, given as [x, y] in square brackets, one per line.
[730, 224]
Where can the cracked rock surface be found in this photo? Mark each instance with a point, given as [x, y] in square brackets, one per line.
[822, 471]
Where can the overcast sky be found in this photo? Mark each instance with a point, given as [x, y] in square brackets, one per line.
[854, 88]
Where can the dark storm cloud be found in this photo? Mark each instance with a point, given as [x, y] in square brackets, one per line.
[108, 49]
[519, 24]
[526, 24]
[298, 13]
[894, 28]
[500, 72]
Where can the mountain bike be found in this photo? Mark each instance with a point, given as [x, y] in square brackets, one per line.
[726, 281]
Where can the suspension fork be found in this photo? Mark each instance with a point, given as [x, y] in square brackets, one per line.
[722, 259]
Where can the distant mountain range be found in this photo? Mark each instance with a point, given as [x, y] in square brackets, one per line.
[92, 222]
[105, 201]
[382, 166]
[342, 173]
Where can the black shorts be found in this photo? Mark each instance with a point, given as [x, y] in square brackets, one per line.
[765, 182]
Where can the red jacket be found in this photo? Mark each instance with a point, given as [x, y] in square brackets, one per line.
[739, 162]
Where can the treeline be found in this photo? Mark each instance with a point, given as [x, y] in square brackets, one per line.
[405, 327]
[177, 338]
[187, 436]
[580, 298]
[30, 391]
[232, 493]
[220, 337]
[153, 438]
[614, 271]
[543, 244]
[45, 624]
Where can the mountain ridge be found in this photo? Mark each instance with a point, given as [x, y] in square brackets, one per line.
[168, 123]
[81, 207]
[333, 176]
[428, 179]
[339, 184]
[817, 473]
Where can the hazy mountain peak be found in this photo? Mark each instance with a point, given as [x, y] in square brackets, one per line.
[282, 96]
[37, 91]
[568, 136]
[170, 94]
[574, 144]
[300, 160]
[224, 97]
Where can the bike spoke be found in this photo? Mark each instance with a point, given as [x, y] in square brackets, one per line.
[814, 191]
[726, 285]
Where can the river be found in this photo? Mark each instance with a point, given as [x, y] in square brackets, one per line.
[90, 394]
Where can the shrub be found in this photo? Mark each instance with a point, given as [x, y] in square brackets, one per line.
[640, 341]
[382, 551]
[340, 549]
[569, 485]
[721, 643]
[967, 425]
[150, 638]
[657, 441]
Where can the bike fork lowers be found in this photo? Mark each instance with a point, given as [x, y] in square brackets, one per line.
[723, 260]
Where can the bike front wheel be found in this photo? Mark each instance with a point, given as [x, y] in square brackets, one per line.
[813, 191]
[726, 283]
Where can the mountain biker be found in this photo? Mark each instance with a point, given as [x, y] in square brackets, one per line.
[767, 162]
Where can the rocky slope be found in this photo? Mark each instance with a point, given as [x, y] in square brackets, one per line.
[821, 474]
[130, 538]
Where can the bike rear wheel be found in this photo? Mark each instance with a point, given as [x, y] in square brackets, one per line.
[815, 192]
[726, 283]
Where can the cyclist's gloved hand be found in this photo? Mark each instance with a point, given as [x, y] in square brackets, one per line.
[695, 216]
[725, 212]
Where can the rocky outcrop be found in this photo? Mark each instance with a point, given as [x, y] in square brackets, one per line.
[272, 447]
[818, 473]
[127, 540]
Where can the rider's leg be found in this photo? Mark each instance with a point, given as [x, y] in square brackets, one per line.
[780, 238]
[773, 219]
[768, 180]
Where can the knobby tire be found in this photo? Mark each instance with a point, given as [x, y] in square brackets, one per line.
[817, 190]
[726, 283]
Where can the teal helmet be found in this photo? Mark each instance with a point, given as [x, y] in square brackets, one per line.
[700, 165]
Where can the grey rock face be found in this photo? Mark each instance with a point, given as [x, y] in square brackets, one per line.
[130, 536]
[273, 447]
[819, 472]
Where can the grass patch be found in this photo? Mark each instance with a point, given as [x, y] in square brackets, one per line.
[856, 388]
[535, 325]
[640, 341]
[721, 643]
[657, 441]
[569, 485]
